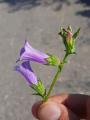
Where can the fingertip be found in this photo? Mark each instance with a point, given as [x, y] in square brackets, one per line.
[67, 114]
[49, 111]
[35, 109]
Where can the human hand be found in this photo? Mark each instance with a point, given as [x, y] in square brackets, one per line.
[63, 107]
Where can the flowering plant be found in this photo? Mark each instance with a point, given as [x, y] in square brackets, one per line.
[28, 54]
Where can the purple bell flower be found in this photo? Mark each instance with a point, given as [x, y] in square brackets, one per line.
[28, 53]
[26, 70]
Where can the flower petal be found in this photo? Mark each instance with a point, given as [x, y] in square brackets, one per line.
[28, 53]
[27, 72]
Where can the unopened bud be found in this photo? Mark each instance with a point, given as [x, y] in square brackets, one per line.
[69, 39]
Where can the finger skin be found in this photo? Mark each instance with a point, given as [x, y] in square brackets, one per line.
[35, 108]
[47, 111]
[67, 114]
[88, 109]
[75, 103]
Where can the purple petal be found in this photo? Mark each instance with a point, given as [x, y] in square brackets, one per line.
[22, 51]
[29, 53]
[27, 72]
[26, 65]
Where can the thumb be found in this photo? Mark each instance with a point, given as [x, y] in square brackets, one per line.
[49, 111]
[52, 111]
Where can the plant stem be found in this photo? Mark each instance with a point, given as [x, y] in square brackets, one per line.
[60, 66]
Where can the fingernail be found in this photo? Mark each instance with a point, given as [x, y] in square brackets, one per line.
[49, 111]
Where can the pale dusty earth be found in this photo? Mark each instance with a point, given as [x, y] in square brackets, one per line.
[39, 21]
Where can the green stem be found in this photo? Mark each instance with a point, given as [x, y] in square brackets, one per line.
[65, 57]
[56, 76]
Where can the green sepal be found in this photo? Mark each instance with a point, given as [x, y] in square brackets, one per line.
[69, 28]
[37, 94]
[39, 89]
[76, 34]
[71, 48]
[62, 32]
[53, 60]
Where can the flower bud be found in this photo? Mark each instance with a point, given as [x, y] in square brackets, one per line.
[69, 39]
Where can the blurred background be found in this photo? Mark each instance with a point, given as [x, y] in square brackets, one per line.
[39, 21]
